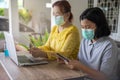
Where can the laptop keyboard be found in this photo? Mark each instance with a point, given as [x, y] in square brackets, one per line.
[24, 59]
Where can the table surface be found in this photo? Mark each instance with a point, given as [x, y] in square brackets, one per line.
[50, 71]
[3, 74]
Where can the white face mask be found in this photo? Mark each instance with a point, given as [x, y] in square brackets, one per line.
[59, 20]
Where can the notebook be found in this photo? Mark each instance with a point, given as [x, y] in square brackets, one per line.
[20, 59]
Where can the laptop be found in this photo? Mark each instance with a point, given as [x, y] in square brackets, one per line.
[20, 58]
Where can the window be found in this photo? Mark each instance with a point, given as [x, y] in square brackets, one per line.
[111, 10]
[90, 3]
[20, 3]
[5, 3]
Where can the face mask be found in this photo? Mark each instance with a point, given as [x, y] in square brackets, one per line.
[88, 33]
[59, 20]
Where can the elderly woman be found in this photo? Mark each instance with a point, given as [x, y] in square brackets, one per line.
[64, 37]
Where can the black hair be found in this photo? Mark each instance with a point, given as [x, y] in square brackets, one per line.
[97, 16]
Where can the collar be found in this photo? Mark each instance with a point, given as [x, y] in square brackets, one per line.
[96, 42]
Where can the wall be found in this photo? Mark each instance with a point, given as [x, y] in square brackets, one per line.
[13, 19]
[40, 17]
[41, 14]
[78, 6]
[112, 12]
[119, 25]
[116, 36]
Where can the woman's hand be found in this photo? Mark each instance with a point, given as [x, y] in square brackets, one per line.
[73, 64]
[36, 52]
[60, 61]
[20, 48]
[92, 73]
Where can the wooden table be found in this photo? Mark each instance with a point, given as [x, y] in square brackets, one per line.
[50, 71]
[3, 74]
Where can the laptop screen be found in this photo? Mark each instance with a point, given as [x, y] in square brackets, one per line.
[11, 46]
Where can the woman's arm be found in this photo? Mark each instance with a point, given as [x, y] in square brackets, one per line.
[36, 52]
[97, 75]
[70, 45]
[107, 67]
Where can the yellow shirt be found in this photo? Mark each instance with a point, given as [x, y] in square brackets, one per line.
[65, 42]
